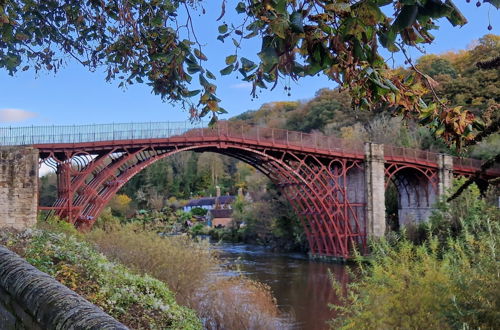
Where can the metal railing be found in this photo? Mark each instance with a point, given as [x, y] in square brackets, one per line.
[410, 154]
[37, 135]
[31, 135]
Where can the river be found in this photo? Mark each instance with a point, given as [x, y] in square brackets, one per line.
[301, 286]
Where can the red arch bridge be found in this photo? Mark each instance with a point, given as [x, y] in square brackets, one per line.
[337, 187]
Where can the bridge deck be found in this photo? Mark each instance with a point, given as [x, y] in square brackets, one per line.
[105, 136]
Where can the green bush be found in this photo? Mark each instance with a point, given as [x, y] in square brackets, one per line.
[199, 211]
[198, 229]
[139, 301]
[179, 261]
[449, 280]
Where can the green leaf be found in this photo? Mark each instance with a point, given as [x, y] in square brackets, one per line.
[193, 93]
[247, 65]
[222, 28]
[495, 3]
[389, 83]
[312, 69]
[227, 70]
[193, 68]
[213, 121]
[231, 59]
[455, 16]
[240, 8]
[279, 27]
[281, 6]
[199, 54]
[210, 75]
[236, 43]
[407, 16]
[157, 20]
[387, 40]
[204, 82]
[297, 22]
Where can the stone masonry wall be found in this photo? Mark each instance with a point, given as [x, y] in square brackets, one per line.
[31, 299]
[18, 186]
[375, 189]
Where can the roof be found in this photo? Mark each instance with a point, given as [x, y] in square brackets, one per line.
[221, 213]
[226, 199]
[201, 201]
[211, 201]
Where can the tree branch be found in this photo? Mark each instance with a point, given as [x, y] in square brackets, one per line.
[484, 167]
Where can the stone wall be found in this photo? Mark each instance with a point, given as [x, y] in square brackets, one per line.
[375, 189]
[31, 299]
[18, 186]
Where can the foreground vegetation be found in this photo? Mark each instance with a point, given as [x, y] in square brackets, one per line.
[138, 301]
[147, 281]
[192, 270]
[442, 275]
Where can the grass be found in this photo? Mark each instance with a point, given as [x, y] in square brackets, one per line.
[138, 301]
[182, 263]
[190, 268]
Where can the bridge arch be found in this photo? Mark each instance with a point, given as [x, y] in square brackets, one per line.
[417, 191]
[335, 186]
[318, 189]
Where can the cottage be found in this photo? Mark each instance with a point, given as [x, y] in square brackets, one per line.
[210, 203]
[221, 217]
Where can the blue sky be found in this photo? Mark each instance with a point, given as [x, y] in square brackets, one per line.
[76, 96]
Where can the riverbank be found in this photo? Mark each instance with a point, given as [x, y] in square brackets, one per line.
[302, 287]
[175, 277]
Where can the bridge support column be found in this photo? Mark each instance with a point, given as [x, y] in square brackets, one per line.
[18, 187]
[445, 173]
[375, 189]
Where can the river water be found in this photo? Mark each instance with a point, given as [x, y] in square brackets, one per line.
[302, 287]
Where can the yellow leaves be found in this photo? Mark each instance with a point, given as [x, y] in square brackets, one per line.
[213, 105]
[120, 203]
[367, 13]
[68, 275]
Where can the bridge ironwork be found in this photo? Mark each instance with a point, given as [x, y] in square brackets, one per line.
[323, 176]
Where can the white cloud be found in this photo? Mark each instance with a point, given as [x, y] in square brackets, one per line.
[44, 170]
[15, 115]
[242, 85]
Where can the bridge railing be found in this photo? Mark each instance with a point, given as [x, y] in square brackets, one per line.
[286, 137]
[410, 154]
[35, 135]
[468, 163]
[90, 133]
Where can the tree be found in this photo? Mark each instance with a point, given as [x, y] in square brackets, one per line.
[120, 204]
[211, 164]
[145, 41]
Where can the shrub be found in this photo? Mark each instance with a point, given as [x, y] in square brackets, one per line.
[447, 280]
[140, 302]
[199, 229]
[192, 271]
[238, 303]
[199, 211]
[179, 261]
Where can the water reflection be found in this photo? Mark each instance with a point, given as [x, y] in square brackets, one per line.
[301, 286]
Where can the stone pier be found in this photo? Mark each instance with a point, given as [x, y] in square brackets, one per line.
[375, 189]
[445, 173]
[18, 186]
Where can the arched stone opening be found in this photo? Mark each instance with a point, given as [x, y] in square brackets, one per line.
[410, 195]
